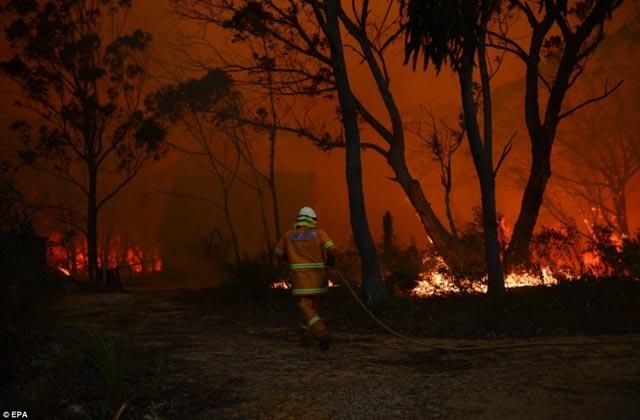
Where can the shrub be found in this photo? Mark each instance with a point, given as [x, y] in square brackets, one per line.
[252, 276]
[559, 249]
[401, 265]
[470, 270]
[618, 256]
[348, 262]
[473, 267]
[216, 248]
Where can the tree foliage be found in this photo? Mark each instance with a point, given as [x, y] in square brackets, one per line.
[440, 30]
[16, 214]
[214, 94]
[82, 85]
[85, 92]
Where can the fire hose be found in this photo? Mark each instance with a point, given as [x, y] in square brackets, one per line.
[513, 346]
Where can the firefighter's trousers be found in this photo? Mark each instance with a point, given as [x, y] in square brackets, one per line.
[312, 326]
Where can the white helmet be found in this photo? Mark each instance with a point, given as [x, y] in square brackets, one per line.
[306, 214]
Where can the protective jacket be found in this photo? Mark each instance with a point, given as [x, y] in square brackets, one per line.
[306, 248]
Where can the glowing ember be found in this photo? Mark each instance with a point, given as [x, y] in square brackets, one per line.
[280, 284]
[64, 271]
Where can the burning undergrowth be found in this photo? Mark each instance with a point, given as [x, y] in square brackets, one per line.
[558, 255]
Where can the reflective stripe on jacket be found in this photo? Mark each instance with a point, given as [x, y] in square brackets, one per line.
[306, 249]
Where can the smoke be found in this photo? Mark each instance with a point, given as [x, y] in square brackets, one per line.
[143, 210]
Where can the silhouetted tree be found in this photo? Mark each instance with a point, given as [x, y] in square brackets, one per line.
[601, 150]
[82, 80]
[372, 286]
[442, 142]
[454, 33]
[304, 62]
[600, 146]
[564, 35]
[200, 107]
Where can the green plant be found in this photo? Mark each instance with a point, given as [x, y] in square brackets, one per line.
[158, 379]
[110, 361]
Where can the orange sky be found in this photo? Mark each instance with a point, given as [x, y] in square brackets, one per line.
[411, 89]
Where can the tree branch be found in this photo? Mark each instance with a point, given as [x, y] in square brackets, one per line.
[505, 152]
[604, 94]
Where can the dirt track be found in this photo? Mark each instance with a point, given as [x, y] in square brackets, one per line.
[218, 363]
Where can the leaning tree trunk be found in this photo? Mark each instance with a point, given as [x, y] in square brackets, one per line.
[373, 289]
[518, 251]
[445, 243]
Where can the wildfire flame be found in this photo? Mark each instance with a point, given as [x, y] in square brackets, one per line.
[121, 255]
[437, 283]
[282, 284]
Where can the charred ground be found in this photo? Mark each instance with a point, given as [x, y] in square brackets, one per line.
[224, 352]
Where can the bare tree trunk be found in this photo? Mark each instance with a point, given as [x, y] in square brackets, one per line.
[263, 216]
[482, 152]
[518, 251]
[107, 237]
[541, 135]
[620, 206]
[72, 249]
[273, 136]
[495, 270]
[92, 226]
[444, 242]
[258, 179]
[73, 258]
[373, 289]
[447, 205]
[273, 189]
[232, 230]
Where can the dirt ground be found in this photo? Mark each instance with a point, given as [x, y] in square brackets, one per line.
[220, 361]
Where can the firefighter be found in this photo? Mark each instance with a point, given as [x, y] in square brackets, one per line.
[309, 251]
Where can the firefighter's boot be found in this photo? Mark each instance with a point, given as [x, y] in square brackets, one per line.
[320, 332]
[313, 322]
[325, 342]
[306, 338]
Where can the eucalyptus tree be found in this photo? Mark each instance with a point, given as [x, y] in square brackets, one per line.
[454, 33]
[81, 80]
